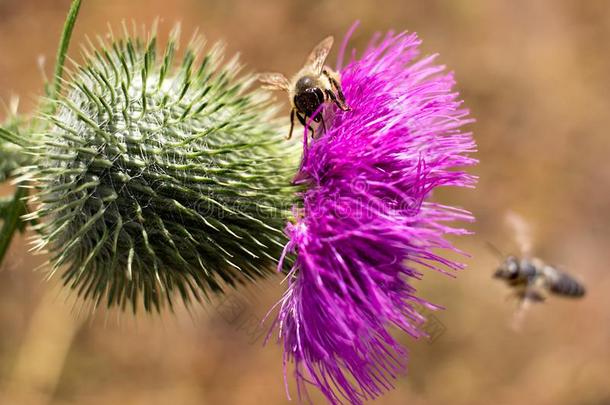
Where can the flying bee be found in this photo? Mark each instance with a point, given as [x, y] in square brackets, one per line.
[312, 86]
[530, 277]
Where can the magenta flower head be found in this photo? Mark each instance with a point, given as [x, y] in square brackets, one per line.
[366, 220]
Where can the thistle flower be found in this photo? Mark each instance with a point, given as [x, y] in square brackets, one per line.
[158, 179]
[366, 220]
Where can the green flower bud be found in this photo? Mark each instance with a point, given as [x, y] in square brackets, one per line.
[10, 159]
[159, 180]
[11, 155]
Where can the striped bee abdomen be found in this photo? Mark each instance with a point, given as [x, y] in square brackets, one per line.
[563, 284]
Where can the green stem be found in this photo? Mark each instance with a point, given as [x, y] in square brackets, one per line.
[12, 220]
[64, 42]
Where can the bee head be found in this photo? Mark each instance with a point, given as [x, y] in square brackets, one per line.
[305, 83]
[509, 269]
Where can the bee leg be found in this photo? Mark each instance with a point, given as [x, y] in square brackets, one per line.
[335, 101]
[323, 124]
[340, 99]
[304, 123]
[291, 123]
[533, 295]
[533, 290]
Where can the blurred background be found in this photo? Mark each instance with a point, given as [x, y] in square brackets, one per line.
[535, 76]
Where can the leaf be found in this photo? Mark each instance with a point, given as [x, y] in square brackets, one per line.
[64, 42]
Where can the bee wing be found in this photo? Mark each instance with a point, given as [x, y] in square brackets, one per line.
[317, 57]
[519, 315]
[274, 81]
[531, 294]
[523, 234]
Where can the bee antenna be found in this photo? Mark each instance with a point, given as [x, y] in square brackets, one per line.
[495, 250]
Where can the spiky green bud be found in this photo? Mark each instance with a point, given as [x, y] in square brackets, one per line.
[159, 179]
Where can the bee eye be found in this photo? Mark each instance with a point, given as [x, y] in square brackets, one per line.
[513, 269]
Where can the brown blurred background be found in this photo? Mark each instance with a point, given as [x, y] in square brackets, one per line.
[535, 75]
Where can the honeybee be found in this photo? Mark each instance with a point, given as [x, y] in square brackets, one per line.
[312, 86]
[530, 277]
